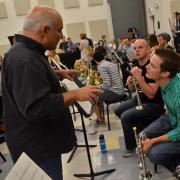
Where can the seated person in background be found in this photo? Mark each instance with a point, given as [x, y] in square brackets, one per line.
[63, 44]
[153, 43]
[163, 39]
[112, 46]
[112, 81]
[163, 145]
[102, 41]
[150, 96]
[127, 46]
[71, 45]
[53, 55]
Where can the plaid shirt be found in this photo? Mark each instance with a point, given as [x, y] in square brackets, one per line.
[112, 80]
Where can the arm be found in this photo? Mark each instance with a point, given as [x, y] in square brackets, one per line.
[105, 78]
[32, 93]
[87, 93]
[149, 89]
[149, 143]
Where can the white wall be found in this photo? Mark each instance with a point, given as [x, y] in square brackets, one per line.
[13, 24]
[161, 10]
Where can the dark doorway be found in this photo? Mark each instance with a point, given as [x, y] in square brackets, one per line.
[128, 13]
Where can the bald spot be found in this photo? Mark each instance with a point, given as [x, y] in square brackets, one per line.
[40, 16]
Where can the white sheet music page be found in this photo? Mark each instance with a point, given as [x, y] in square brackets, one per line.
[71, 85]
[26, 169]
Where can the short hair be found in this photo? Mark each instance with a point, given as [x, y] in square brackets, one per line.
[171, 61]
[165, 36]
[32, 23]
[83, 35]
[100, 53]
[152, 39]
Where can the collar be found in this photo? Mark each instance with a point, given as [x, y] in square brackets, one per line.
[30, 43]
[171, 83]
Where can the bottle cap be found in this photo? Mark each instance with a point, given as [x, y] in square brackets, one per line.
[101, 136]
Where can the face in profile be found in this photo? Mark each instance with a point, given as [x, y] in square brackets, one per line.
[54, 33]
[161, 41]
[153, 68]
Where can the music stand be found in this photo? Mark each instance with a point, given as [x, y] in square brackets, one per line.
[92, 174]
[70, 86]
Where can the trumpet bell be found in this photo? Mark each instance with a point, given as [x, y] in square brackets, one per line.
[139, 107]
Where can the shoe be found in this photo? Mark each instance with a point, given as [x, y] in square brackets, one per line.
[177, 172]
[128, 153]
[100, 122]
[92, 128]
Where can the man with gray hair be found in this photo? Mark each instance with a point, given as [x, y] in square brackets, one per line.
[36, 112]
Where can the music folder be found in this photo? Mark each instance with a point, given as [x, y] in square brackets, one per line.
[26, 169]
[87, 108]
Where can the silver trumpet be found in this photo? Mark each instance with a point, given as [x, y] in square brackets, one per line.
[144, 173]
[139, 107]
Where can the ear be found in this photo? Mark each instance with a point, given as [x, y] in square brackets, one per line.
[165, 74]
[45, 29]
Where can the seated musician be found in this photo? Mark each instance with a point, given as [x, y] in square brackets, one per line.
[150, 96]
[163, 39]
[112, 81]
[163, 145]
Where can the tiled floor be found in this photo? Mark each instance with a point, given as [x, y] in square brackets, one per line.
[126, 168]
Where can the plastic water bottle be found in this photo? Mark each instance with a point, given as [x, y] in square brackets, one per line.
[102, 143]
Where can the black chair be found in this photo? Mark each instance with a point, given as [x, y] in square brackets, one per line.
[109, 102]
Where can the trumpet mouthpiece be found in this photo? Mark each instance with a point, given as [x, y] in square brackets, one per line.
[134, 128]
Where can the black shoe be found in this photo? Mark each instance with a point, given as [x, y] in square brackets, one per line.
[128, 153]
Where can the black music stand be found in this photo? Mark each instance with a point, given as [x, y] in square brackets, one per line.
[76, 80]
[92, 174]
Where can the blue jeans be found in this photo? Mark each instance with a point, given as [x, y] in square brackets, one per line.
[165, 153]
[53, 168]
[131, 117]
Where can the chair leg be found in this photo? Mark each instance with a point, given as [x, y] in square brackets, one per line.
[103, 110]
[155, 167]
[109, 128]
[4, 159]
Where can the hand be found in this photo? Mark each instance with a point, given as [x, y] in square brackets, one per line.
[88, 93]
[67, 74]
[137, 73]
[147, 145]
[129, 80]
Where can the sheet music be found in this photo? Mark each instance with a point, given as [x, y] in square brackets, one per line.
[26, 169]
[85, 105]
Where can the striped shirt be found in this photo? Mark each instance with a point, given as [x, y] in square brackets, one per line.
[171, 97]
[112, 80]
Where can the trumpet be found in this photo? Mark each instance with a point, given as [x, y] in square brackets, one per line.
[144, 173]
[139, 107]
[59, 65]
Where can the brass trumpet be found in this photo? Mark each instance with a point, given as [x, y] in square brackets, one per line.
[144, 173]
[140, 105]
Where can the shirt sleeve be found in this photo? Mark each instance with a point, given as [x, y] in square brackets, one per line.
[105, 77]
[174, 135]
[33, 94]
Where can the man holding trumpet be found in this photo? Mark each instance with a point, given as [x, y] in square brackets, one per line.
[163, 145]
[140, 110]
